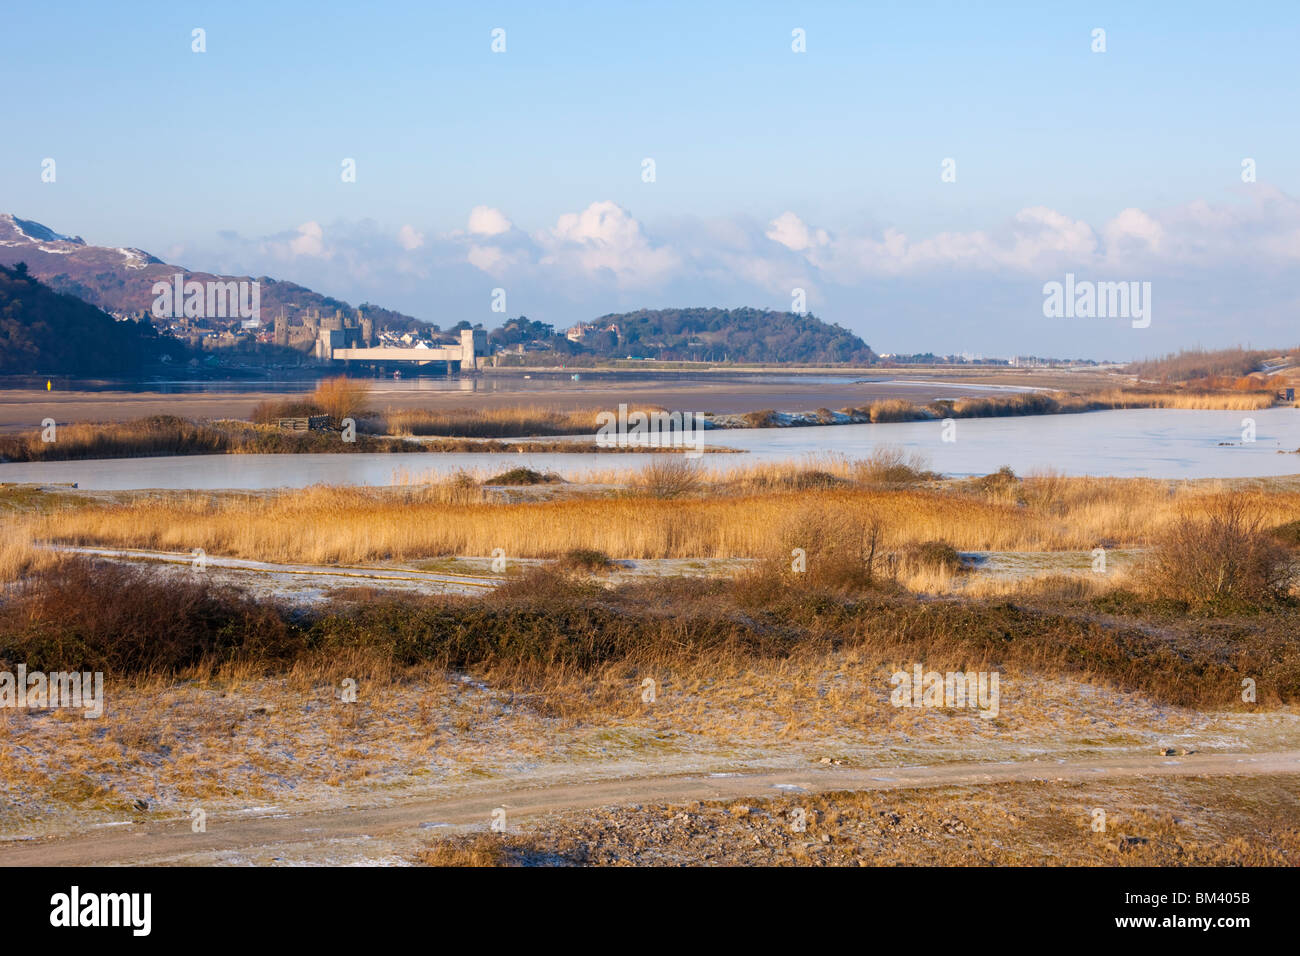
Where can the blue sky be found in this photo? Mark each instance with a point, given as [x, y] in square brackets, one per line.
[773, 169]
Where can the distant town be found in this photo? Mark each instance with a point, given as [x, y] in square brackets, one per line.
[353, 336]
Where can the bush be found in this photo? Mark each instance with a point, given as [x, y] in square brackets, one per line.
[342, 397]
[809, 479]
[890, 465]
[1288, 534]
[822, 549]
[669, 476]
[523, 476]
[932, 556]
[1001, 485]
[1047, 491]
[467, 850]
[266, 413]
[588, 560]
[99, 616]
[460, 489]
[1223, 557]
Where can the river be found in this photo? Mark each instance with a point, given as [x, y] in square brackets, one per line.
[1151, 443]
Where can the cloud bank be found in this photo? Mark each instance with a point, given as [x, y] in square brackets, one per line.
[1220, 271]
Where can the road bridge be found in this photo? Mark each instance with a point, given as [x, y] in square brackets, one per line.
[468, 355]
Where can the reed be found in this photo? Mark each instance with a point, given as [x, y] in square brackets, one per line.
[19, 556]
[342, 397]
[157, 435]
[518, 421]
[720, 520]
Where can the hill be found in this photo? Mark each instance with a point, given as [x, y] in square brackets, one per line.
[49, 333]
[120, 279]
[1221, 368]
[739, 335]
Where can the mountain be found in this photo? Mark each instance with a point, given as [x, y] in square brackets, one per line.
[44, 332]
[740, 335]
[120, 279]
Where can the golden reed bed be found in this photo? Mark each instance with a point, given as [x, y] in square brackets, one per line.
[735, 515]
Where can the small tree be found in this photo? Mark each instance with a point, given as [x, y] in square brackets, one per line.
[1219, 555]
[342, 397]
[669, 476]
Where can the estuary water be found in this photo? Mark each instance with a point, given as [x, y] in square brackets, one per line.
[1151, 443]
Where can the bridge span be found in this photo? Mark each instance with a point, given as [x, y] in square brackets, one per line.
[331, 346]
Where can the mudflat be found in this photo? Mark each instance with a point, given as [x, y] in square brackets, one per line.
[26, 408]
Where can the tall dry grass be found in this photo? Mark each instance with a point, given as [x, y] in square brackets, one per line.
[517, 421]
[19, 556]
[156, 435]
[1193, 364]
[514, 422]
[339, 397]
[1042, 403]
[1228, 401]
[892, 410]
[169, 435]
[342, 397]
[329, 525]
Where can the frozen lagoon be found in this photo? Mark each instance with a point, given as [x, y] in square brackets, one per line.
[1147, 443]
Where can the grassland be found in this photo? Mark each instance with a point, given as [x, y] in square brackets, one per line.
[169, 435]
[1214, 553]
[229, 702]
[222, 698]
[1191, 822]
[1230, 368]
[752, 513]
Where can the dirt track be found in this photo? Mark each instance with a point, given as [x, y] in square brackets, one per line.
[173, 841]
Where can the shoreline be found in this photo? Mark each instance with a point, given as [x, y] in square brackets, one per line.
[26, 408]
[166, 435]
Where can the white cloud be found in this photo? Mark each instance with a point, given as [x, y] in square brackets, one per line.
[486, 221]
[310, 240]
[1219, 267]
[487, 258]
[605, 238]
[1133, 228]
[790, 231]
[604, 243]
[605, 222]
[410, 238]
[1034, 239]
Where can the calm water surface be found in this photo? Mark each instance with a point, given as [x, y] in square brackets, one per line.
[1152, 443]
